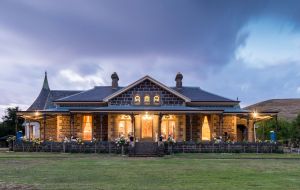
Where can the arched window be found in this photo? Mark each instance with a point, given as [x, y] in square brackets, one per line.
[137, 99]
[156, 99]
[146, 99]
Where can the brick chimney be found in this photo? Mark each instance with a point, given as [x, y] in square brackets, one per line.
[178, 80]
[115, 79]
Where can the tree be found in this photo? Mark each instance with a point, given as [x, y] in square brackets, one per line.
[295, 132]
[8, 126]
[287, 132]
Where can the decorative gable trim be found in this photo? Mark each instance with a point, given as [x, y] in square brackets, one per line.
[186, 99]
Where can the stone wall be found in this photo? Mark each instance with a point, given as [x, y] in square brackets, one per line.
[51, 128]
[113, 133]
[181, 128]
[216, 123]
[63, 127]
[229, 126]
[249, 126]
[57, 127]
[97, 127]
[196, 127]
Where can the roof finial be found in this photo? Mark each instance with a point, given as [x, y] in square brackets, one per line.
[45, 84]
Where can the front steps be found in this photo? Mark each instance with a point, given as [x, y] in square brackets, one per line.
[146, 149]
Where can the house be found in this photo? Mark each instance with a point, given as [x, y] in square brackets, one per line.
[145, 110]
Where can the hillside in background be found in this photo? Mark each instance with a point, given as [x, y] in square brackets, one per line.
[287, 108]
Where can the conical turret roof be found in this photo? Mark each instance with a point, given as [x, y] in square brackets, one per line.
[41, 100]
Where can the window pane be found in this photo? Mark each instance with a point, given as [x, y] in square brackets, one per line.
[205, 130]
[147, 99]
[87, 128]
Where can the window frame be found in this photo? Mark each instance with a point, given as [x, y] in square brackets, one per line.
[149, 102]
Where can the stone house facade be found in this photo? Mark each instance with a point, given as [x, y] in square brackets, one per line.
[146, 110]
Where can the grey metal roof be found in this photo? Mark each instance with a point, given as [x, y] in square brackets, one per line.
[196, 94]
[46, 98]
[40, 101]
[96, 94]
[225, 109]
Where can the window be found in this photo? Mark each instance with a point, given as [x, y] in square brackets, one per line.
[32, 130]
[168, 127]
[205, 130]
[87, 128]
[137, 99]
[156, 99]
[147, 100]
[125, 126]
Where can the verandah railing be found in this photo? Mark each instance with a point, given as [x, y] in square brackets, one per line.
[224, 147]
[179, 147]
[69, 147]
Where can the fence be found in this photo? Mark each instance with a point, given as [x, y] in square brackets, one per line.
[69, 147]
[179, 147]
[223, 147]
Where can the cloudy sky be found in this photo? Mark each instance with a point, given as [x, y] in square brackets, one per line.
[245, 49]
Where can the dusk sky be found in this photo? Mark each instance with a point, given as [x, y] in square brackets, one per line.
[245, 49]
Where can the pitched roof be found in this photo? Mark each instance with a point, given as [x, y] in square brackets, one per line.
[196, 94]
[47, 97]
[147, 77]
[96, 94]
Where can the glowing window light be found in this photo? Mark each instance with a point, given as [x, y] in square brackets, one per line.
[147, 116]
[156, 99]
[147, 99]
[137, 99]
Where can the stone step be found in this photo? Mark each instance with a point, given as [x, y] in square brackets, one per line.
[145, 149]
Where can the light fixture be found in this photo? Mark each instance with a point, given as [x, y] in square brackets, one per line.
[36, 113]
[255, 114]
[147, 116]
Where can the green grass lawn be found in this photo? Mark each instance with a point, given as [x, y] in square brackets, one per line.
[181, 171]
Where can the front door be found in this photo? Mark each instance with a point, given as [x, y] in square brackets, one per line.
[147, 128]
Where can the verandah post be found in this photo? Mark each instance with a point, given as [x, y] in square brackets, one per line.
[44, 121]
[159, 125]
[101, 127]
[133, 126]
[191, 128]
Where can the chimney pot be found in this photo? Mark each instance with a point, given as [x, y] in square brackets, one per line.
[115, 79]
[178, 80]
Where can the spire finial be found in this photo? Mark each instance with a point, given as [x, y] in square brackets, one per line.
[45, 84]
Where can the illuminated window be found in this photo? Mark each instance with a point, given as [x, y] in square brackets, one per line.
[205, 130]
[87, 128]
[168, 126]
[156, 99]
[147, 99]
[125, 126]
[137, 99]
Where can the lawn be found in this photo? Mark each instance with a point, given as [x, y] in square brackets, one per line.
[181, 171]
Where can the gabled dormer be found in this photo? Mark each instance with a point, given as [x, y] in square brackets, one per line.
[147, 92]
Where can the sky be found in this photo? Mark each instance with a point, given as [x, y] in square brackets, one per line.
[247, 49]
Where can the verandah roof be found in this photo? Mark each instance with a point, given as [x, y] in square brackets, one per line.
[129, 108]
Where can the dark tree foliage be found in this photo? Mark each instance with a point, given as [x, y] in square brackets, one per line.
[8, 126]
[287, 132]
[295, 134]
